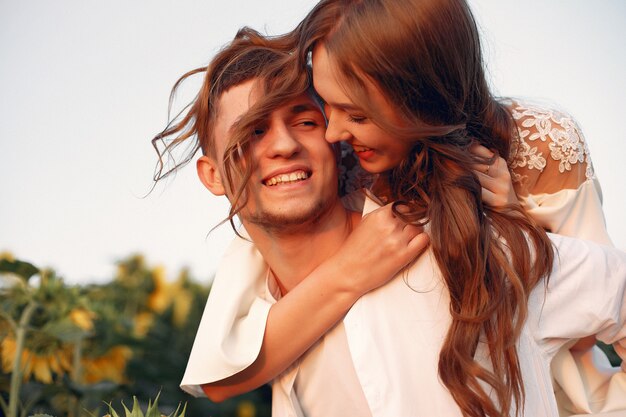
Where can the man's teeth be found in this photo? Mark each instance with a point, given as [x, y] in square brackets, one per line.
[358, 148]
[285, 178]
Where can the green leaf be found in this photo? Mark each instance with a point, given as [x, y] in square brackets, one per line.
[23, 269]
[112, 411]
[136, 409]
[182, 413]
[64, 330]
[153, 409]
[126, 410]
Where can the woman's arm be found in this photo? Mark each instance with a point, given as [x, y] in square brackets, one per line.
[550, 172]
[553, 176]
[374, 252]
[586, 294]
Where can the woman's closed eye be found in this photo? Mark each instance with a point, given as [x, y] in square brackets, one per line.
[357, 119]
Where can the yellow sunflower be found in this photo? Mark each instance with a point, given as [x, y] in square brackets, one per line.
[83, 318]
[183, 300]
[40, 366]
[142, 323]
[109, 367]
[161, 297]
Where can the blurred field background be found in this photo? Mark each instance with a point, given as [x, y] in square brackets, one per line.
[68, 350]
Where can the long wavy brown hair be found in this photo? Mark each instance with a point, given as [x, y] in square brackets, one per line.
[425, 57]
[279, 79]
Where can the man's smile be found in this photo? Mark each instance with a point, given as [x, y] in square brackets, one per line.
[286, 177]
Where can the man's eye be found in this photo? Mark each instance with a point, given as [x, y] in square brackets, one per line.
[307, 123]
[259, 132]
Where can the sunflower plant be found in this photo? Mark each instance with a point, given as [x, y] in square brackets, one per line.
[42, 323]
[152, 410]
[72, 350]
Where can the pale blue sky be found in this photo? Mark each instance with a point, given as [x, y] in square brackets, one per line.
[85, 86]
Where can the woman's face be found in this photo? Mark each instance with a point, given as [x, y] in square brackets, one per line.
[377, 149]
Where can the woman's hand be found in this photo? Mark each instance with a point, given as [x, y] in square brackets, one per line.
[377, 249]
[495, 179]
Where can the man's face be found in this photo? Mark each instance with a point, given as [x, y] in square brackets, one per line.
[294, 181]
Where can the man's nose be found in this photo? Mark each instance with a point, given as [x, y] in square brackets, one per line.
[282, 143]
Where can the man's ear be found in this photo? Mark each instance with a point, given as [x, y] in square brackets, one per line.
[210, 175]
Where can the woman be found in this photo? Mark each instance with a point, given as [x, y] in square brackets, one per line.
[432, 120]
[427, 74]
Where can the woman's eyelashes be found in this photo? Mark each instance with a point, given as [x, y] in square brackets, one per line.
[328, 109]
[357, 119]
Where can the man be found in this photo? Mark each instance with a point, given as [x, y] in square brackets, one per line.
[293, 214]
[382, 358]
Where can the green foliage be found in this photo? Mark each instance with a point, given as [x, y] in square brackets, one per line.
[22, 269]
[88, 346]
[152, 410]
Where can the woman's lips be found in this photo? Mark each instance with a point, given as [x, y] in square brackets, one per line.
[363, 152]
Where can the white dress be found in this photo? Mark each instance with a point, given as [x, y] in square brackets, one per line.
[394, 333]
[552, 172]
[554, 176]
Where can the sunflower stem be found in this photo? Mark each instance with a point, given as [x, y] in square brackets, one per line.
[16, 374]
[77, 373]
[77, 368]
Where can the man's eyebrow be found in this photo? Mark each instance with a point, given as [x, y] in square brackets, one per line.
[304, 107]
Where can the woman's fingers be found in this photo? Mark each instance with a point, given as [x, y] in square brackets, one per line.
[418, 243]
[489, 198]
[393, 235]
[410, 231]
[481, 151]
[379, 247]
[495, 178]
[484, 153]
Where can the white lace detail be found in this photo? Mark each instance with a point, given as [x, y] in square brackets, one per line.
[559, 130]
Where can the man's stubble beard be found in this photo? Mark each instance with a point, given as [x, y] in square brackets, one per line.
[290, 223]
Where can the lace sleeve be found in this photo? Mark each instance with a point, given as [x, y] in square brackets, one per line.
[550, 153]
[553, 175]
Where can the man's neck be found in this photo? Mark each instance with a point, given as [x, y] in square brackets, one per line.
[293, 254]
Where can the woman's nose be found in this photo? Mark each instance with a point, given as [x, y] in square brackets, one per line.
[335, 130]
